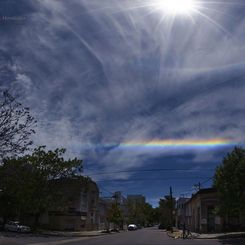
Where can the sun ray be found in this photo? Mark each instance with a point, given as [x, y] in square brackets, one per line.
[176, 7]
[173, 8]
[219, 26]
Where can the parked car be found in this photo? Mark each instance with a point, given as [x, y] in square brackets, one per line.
[161, 226]
[115, 230]
[16, 226]
[132, 227]
[139, 227]
[1, 224]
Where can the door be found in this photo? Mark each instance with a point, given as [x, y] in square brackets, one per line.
[210, 219]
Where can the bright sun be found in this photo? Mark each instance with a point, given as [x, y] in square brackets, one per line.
[176, 7]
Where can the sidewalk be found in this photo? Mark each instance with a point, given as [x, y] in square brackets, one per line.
[73, 233]
[178, 234]
[220, 235]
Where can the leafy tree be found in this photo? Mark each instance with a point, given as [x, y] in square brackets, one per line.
[26, 182]
[148, 212]
[114, 214]
[135, 212]
[156, 215]
[165, 211]
[229, 181]
[140, 213]
[16, 126]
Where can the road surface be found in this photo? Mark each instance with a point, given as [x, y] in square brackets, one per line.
[147, 236]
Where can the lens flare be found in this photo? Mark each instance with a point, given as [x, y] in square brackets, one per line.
[176, 7]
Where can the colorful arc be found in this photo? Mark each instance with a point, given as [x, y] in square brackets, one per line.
[179, 143]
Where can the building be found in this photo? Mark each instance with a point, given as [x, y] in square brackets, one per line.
[79, 207]
[139, 199]
[180, 212]
[104, 207]
[200, 212]
[122, 202]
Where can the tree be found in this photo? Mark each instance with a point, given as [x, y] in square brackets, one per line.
[16, 126]
[140, 213]
[26, 182]
[165, 211]
[114, 214]
[229, 180]
[148, 212]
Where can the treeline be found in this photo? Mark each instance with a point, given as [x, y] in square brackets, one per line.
[25, 178]
[229, 180]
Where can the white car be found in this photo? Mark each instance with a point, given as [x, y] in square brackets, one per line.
[132, 227]
[16, 226]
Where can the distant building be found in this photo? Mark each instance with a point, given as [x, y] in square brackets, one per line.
[122, 201]
[139, 199]
[119, 198]
[105, 205]
[180, 211]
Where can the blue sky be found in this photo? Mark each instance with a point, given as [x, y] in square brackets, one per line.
[110, 72]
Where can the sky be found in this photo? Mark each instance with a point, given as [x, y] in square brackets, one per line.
[149, 98]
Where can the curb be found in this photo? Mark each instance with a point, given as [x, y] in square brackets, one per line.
[221, 236]
[172, 235]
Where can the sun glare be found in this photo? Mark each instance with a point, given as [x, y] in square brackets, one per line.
[176, 7]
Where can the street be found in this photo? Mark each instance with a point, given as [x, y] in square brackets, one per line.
[147, 236]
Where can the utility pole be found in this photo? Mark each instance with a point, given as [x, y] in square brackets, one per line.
[197, 186]
[171, 205]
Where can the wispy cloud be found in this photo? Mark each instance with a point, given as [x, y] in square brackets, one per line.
[108, 73]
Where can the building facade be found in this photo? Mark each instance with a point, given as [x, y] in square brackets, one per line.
[79, 207]
[139, 199]
[104, 207]
[200, 212]
[180, 212]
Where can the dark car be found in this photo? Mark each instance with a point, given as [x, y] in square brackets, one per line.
[16, 226]
[161, 227]
[1, 225]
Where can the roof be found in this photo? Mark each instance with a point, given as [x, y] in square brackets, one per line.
[75, 180]
[201, 192]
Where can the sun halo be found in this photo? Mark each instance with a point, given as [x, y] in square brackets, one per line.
[176, 7]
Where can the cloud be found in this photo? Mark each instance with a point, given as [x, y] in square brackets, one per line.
[108, 73]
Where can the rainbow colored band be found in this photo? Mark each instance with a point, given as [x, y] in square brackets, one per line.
[178, 143]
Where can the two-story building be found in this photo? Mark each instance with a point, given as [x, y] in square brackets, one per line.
[180, 211]
[78, 208]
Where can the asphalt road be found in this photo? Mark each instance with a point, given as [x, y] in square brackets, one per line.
[149, 236]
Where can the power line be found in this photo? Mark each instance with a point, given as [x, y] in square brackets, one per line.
[106, 190]
[148, 179]
[151, 170]
[207, 180]
[200, 183]
[184, 192]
